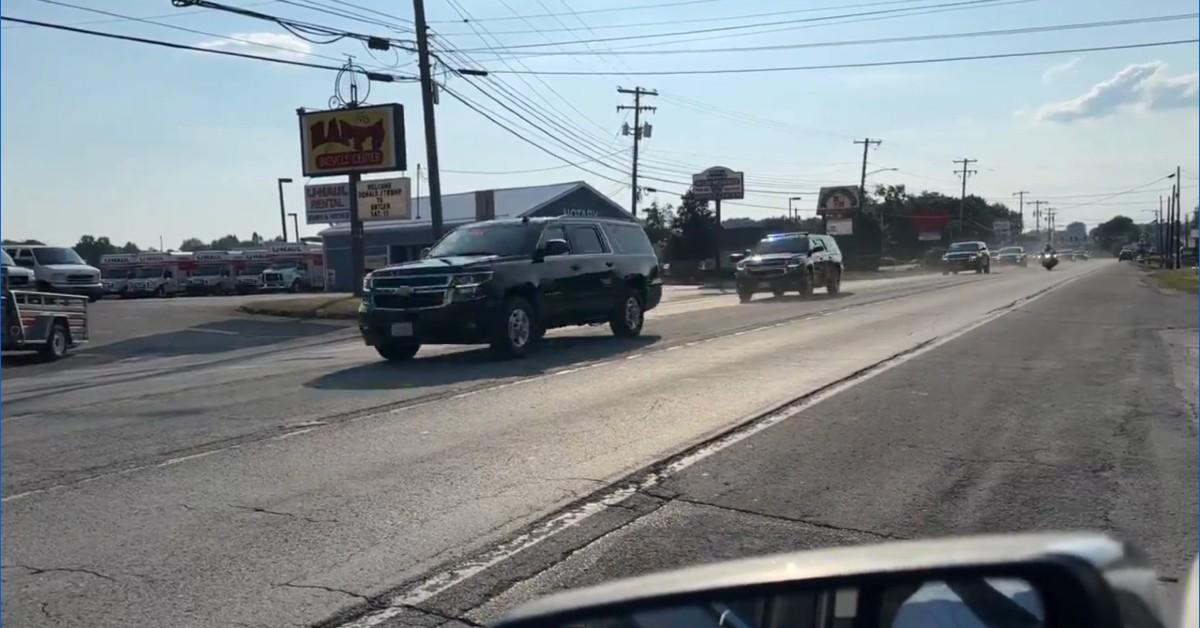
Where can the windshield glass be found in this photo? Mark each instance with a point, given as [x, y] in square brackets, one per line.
[782, 245]
[5, 259]
[284, 266]
[964, 246]
[54, 255]
[483, 239]
[1011, 249]
[149, 273]
[207, 270]
[253, 269]
[115, 273]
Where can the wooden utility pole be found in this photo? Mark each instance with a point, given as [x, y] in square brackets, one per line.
[1037, 216]
[962, 199]
[637, 133]
[431, 150]
[1021, 195]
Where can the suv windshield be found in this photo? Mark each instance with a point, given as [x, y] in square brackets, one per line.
[481, 239]
[54, 255]
[964, 246]
[782, 245]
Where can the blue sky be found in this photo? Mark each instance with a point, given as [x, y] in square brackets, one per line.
[136, 142]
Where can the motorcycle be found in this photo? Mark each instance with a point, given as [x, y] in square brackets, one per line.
[1049, 261]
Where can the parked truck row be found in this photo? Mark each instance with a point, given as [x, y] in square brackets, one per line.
[281, 267]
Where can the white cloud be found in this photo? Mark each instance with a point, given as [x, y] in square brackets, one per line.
[1061, 68]
[282, 45]
[1138, 87]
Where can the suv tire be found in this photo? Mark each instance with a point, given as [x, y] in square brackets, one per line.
[630, 315]
[397, 350]
[806, 284]
[834, 283]
[987, 269]
[744, 295]
[515, 334]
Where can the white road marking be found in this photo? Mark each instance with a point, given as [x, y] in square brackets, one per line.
[209, 330]
[457, 574]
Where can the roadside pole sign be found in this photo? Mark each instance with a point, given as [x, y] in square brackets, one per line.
[718, 183]
[352, 140]
[839, 226]
[326, 203]
[385, 199]
[929, 236]
[1001, 228]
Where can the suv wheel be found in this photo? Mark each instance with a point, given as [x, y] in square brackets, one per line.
[806, 284]
[834, 284]
[778, 292]
[515, 334]
[295, 285]
[627, 321]
[987, 268]
[745, 294]
[397, 350]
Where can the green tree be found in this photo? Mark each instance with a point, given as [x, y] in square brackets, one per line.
[130, 248]
[29, 242]
[693, 230]
[193, 244]
[656, 219]
[91, 248]
[1115, 233]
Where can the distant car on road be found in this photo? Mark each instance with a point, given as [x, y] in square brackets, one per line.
[964, 256]
[505, 282]
[1012, 255]
[1126, 255]
[790, 261]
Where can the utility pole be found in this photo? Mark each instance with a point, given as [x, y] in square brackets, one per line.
[1050, 212]
[962, 199]
[282, 211]
[1021, 195]
[431, 151]
[862, 181]
[1175, 224]
[793, 214]
[637, 133]
[1037, 215]
[1159, 243]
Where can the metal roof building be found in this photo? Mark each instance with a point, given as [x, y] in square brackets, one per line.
[395, 241]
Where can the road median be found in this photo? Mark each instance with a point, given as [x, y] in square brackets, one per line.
[339, 307]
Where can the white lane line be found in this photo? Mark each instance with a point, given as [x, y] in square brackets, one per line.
[207, 330]
[174, 461]
[457, 574]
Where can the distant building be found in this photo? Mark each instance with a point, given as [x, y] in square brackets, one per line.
[1075, 235]
[395, 241]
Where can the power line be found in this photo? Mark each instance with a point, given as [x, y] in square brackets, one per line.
[122, 17]
[1026, 30]
[676, 3]
[866, 64]
[723, 18]
[534, 170]
[737, 27]
[374, 76]
[161, 16]
[301, 29]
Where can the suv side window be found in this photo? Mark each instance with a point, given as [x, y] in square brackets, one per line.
[629, 239]
[584, 240]
[831, 244]
[553, 232]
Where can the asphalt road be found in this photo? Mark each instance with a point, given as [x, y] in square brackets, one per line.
[310, 481]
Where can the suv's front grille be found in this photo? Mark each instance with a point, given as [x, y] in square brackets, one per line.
[269, 277]
[416, 300]
[416, 281]
[18, 280]
[80, 279]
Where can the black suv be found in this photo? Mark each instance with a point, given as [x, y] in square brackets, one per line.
[504, 282]
[972, 255]
[790, 261]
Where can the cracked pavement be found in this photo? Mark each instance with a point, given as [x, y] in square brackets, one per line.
[184, 490]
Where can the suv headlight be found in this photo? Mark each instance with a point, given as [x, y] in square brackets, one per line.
[470, 280]
[367, 282]
[740, 266]
[793, 264]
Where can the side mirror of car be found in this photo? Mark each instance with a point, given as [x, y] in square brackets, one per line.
[555, 247]
[425, 252]
[1005, 581]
